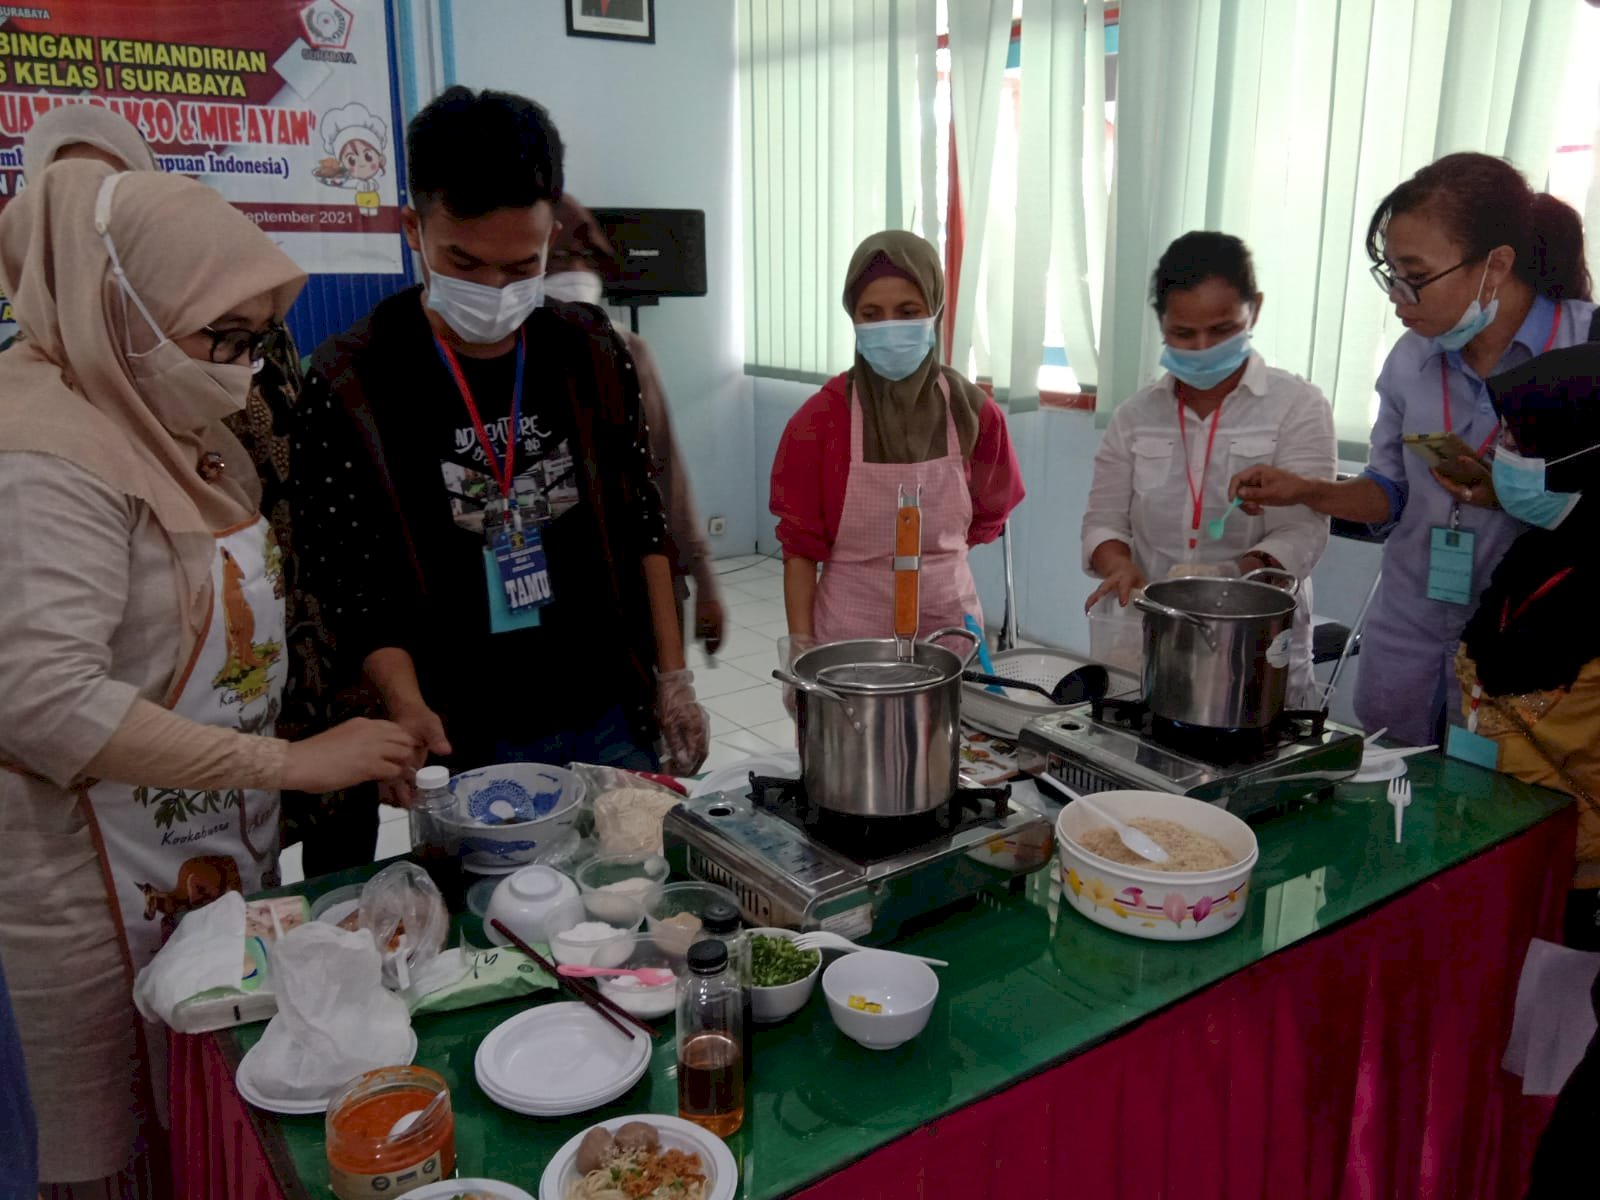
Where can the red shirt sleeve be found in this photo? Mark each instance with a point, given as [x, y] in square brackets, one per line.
[993, 477]
[809, 474]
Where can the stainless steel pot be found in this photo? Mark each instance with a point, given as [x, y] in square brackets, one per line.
[1216, 651]
[880, 737]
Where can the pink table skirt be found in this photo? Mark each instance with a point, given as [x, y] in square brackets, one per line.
[1362, 1063]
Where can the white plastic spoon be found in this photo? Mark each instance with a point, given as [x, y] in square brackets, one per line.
[1138, 841]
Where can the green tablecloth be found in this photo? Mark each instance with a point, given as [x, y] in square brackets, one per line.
[1027, 987]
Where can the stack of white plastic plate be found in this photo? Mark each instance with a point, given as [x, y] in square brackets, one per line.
[559, 1059]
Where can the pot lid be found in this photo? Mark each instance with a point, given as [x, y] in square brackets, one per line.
[880, 676]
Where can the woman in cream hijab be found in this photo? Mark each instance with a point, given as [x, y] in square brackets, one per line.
[84, 130]
[898, 418]
[141, 630]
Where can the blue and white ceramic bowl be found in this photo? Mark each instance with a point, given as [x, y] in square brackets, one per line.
[511, 814]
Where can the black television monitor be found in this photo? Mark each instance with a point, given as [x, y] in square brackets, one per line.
[660, 252]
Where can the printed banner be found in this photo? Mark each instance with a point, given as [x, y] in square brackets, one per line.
[283, 106]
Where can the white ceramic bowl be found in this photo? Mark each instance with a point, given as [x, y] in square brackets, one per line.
[1166, 906]
[611, 951]
[905, 987]
[716, 1160]
[507, 815]
[524, 901]
[772, 1004]
[618, 887]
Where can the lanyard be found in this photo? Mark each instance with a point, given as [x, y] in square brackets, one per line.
[501, 476]
[1444, 384]
[1197, 494]
[1509, 614]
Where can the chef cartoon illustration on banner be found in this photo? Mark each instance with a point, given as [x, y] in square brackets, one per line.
[354, 139]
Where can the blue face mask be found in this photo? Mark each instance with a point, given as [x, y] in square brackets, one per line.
[1474, 321]
[894, 349]
[1519, 486]
[1206, 368]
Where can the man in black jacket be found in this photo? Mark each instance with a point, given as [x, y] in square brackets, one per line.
[474, 507]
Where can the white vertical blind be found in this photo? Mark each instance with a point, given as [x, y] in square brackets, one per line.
[1285, 122]
[838, 143]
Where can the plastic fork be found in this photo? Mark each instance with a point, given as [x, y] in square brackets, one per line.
[1400, 797]
[821, 939]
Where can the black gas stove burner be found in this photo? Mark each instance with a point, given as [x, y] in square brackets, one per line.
[1228, 747]
[871, 839]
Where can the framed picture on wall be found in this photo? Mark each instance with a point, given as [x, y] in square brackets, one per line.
[618, 20]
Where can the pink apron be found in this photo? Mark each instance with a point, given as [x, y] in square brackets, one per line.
[855, 595]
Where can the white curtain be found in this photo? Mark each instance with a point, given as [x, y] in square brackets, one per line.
[1286, 122]
[1059, 237]
[838, 143]
[980, 37]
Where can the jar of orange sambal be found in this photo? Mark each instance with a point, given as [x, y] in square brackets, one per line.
[388, 1132]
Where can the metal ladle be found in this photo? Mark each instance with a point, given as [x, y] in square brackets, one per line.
[1088, 682]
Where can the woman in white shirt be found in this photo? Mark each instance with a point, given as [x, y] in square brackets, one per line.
[1162, 471]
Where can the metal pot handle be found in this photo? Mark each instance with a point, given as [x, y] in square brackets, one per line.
[1261, 572]
[816, 689]
[957, 631]
[1144, 604]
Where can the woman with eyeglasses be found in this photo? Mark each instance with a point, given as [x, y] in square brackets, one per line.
[141, 631]
[1484, 274]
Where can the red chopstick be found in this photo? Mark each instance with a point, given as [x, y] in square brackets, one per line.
[582, 991]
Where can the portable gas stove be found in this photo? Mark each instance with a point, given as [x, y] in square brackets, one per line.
[797, 866]
[1114, 744]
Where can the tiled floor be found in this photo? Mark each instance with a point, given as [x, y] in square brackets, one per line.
[745, 702]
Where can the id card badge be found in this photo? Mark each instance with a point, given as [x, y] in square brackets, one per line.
[1450, 565]
[1470, 747]
[518, 578]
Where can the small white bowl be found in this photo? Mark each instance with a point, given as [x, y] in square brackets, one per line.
[524, 902]
[771, 1004]
[511, 814]
[618, 887]
[905, 987]
[612, 951]
[1165, 906]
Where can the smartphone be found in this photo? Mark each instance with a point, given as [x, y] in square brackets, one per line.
[1443, 451]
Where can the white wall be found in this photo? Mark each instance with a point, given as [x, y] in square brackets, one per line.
[1056, 452]
[650, 126]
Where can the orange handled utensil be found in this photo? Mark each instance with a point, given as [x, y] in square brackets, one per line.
[907, 571]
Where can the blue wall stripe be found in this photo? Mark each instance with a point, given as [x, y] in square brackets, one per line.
[331, 303]
[447, 40]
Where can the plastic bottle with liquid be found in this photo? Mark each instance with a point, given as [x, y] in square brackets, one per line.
[721, 921]
[434, 842]
[710, 1038]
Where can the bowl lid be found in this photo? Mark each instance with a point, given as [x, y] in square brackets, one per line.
[538, 884]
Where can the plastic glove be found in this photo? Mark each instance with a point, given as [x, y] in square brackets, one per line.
[684, 725]
[789, 649]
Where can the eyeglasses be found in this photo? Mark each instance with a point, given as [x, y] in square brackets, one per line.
[1403, 291]
[230, 345]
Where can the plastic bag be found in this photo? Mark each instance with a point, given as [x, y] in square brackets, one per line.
[334, 1020]
[404, 912]
[487, 976]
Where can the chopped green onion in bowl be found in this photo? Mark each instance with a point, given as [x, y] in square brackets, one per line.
[777, 961]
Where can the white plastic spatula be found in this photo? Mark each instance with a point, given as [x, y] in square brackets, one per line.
[1138, 841]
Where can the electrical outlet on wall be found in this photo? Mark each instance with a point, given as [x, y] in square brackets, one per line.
[717, 526]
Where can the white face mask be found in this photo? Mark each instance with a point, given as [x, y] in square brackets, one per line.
[575, 287]
[184, 393]
[480, 314]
